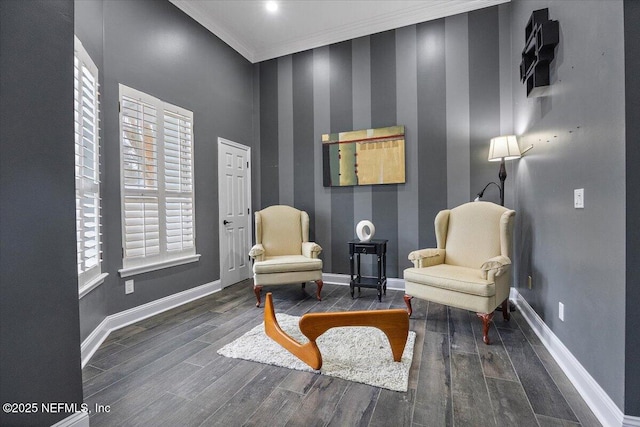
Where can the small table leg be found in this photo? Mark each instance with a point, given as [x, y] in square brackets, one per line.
[351, 271]
[379, 278]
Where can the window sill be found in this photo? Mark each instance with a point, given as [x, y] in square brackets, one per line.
[132, 271]
[91, 285]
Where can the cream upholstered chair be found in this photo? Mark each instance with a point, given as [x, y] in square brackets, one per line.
[470, 267]
[283, 253]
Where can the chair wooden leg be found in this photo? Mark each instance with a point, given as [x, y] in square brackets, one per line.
[506, 316]
[486, 321]
[319, 283]
[407, 301]
[257, 289]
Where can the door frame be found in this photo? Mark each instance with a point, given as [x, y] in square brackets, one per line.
[247, 149]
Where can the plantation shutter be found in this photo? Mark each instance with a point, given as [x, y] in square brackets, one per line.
[157, 183]
[140, 177]
[87, 166]
[178, 181]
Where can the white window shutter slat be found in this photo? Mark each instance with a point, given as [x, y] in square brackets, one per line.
[179, 224]
[87, 166]
[157, 179]
[140, 145]
[141, 223]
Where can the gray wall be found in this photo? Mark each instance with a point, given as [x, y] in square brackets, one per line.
[632, 103]
[440, 79]
[576, 256]
[39, 332]
[154, 47]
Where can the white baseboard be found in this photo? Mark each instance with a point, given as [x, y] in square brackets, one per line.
[135, 314]
[344, 279]
[630, 421]
[79, 419]
[596, 398]
[335, 279]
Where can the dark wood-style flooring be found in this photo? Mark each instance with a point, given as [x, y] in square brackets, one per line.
[164, 371]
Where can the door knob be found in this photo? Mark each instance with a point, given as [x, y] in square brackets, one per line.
[225, 222]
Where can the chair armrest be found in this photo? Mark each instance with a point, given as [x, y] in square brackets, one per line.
[495, 267]
[257, 252]
[426, 257]
[311, 249]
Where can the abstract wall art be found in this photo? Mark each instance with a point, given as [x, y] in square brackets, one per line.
[364, 157]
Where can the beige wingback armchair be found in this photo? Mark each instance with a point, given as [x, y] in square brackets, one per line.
[283, 253]
[470, 267]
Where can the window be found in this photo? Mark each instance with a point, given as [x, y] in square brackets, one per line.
[157, 183]
[87, 171]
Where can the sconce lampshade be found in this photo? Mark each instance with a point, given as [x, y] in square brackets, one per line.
[504, 147]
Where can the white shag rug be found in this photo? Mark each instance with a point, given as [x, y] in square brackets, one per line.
[361, 354]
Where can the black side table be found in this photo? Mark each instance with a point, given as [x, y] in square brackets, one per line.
[376, 247]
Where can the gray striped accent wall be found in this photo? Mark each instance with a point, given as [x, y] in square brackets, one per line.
[341, 115]
[440, 79]
[269, 178]
[432, 121]
[457, 91]
[384, 198]
[303, 134]
[285, 130]
[361, 70]
[484, 99]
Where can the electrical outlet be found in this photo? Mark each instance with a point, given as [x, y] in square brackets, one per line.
[578, 198]
[561, 311]
[529, 279]
[128, 286]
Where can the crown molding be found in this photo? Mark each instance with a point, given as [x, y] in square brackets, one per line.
[426, 11]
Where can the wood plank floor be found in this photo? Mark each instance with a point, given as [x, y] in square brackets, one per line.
[164, 371]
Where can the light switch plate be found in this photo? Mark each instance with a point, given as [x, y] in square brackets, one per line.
[578, 198]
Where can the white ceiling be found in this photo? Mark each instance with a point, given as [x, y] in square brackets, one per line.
[298, 25]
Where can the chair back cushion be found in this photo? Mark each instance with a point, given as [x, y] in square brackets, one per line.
[279, 229]
[476, 232]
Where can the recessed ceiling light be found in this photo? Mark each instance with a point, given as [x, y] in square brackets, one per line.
[272, 6]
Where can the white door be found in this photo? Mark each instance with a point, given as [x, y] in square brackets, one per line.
[234, 195]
